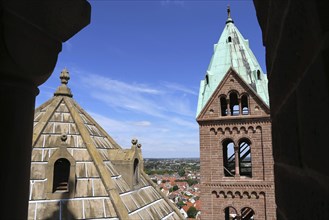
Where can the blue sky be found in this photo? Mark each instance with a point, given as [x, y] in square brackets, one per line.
[136, 68]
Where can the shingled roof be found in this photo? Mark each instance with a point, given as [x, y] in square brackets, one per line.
[79, 172]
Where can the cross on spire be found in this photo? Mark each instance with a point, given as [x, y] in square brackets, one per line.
[229, 19]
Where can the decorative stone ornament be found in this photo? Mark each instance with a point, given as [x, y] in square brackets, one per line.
[63, 137]
[134, 141]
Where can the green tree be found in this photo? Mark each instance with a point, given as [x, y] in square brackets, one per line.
[191, 212]
[191, 182]
[175, 188]
[180, 204]
[181, 172]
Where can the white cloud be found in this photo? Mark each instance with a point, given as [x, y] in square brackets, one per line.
[158, 139]
[178, 87]
[138, 97]
[172, 2]
[161, 118]
[109, 84]
[141, 123]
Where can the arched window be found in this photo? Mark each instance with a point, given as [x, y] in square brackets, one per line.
[258, 74]
[228, 158]
[229, 39]
[223, 106]
[247, 213]
[136, 172]
[61, 175]
[230, 213]
[245, 158]
[244, 104]
[234, 104]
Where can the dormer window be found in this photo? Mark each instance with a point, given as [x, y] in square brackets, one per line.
[258, 74]
[61, 175]
[229, 39]
[136, 172]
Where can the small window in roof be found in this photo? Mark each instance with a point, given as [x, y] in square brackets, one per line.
[136, 172]
[61, 175]
[207, 79]
[229, 39]
[258, 74]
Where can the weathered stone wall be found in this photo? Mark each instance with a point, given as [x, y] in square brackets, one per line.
[295, 34]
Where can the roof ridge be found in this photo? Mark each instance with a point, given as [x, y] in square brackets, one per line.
[97, 125]
[38, 128]
[98, 161]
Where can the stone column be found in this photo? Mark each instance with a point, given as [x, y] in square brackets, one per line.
[31, 36]
[236, 153]
[240, 106]
[228, 107]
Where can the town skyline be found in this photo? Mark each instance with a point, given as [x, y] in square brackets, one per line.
[137, 68]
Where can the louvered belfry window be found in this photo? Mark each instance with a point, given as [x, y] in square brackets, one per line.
[61, 175]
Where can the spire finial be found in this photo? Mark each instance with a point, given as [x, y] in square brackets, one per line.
[229, 19]
[65, 76]
[63, 89]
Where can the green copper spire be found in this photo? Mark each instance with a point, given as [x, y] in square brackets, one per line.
[232, 50]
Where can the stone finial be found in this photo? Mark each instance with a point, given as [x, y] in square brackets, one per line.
[134, 141]
[63, 90]
[65, 76]
[139, 145]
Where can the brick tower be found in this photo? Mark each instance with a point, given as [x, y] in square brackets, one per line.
[233, 114]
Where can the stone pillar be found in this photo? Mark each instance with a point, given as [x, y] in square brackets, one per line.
[295, 34]
[31, 36]
[240, 106]
[236, 153]
[17, 109]
[228, 107]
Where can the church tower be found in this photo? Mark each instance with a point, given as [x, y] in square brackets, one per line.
[233, 114]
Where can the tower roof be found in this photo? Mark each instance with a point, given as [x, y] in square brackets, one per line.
[232, 50]
[103, 186]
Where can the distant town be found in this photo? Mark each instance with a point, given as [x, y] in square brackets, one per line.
[179, 180]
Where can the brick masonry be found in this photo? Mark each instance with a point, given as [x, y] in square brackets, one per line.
[217, 190]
